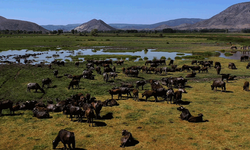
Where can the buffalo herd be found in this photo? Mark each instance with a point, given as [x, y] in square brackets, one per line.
[80, 105]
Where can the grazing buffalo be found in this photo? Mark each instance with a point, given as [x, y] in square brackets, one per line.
[115, 92]
[218, 83]
[126, 139]
[76, 111]
[248, 65]
[246, 86]
[185, 114]
[120, 62]
[218, 69]
[108, 69]
[34, 86]
[194, 62]
[6, 105]
[55, 73]
[203, 69]
[149, 93]
[140, 83]
[77, 77]
[132, 73]
[197, 119]
[217, 64]
[112, 75]
[194, 68]
[46, 81]
[171, 62]
[225, 76]
[244, 58]
[66, 137]
[72, 83]
[105, 76]
[231, 66]
[185, 67]
[98, 69]
[77, 63]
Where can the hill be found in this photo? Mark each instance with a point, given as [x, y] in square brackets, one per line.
[67, 27]
[11, 24]
[234, 17]
[171, 23]
[94, 24]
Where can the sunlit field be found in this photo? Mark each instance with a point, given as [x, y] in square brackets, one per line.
[155, 125]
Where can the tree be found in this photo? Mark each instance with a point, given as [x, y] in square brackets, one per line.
[94, 32]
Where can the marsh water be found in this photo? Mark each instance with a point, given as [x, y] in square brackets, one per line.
[48, 56]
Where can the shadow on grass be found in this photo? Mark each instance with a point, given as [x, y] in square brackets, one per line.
[54, 86]
[132, 143]
[74, 149]
[99, 124]
[227, 91]
[107, 116]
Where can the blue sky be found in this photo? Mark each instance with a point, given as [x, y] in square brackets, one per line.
[62, 12]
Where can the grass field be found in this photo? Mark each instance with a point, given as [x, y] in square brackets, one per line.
[154, 125]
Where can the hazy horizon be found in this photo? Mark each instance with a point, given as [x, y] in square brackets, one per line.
[63, 12]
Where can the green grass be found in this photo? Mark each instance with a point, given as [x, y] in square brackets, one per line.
[154, 125]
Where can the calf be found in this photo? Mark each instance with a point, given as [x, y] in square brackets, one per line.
[246, 86]
[135, 94]
[65, 137]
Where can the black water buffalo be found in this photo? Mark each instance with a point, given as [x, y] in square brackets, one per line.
[248, 65]
[231, 66]
[140, 83]
[244, 58]
[77, 63]
[46, 81]
[40, 114]
[55, 73]
[8, 104]
[97, 105]
[194, 62]
[191, 75]
[185, 114]
[194, 68]
[105, 76]
[178, 95]
[197, 119]
[246, 86]
[171, 62]
[98, 69]
[225, 76]
[73, 83]
[218, 69]
[90, 115]
[126, 139]
[217, 64]
[185, 67]
[112, 75]
[132, 72]
[110, 102]
[203, 69]
[66, 137]
[120, 62]
[218, 83]
[76, 111]
[35, 86]
[231, 77]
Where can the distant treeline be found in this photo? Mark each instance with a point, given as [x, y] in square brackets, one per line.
[95, 31]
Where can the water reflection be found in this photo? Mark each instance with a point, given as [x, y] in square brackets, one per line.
[235, 55]
[48, 56]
